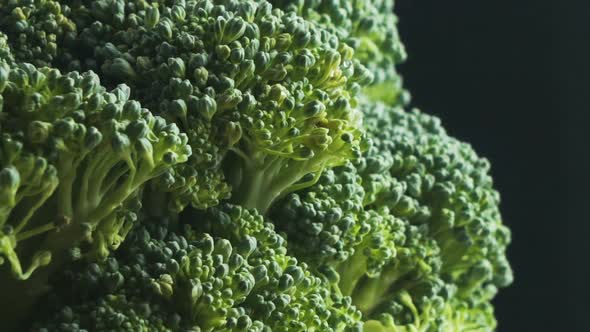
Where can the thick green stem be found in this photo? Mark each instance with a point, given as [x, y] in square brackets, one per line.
[264, 178]
[66, 182]
[351, 271]
[250, 190]
[260, 186]
[373, 291]
[38, 202]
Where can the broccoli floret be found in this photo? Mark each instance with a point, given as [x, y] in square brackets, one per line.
[110, 313]
[6, 56]
[469, 316]
[102, 146]
[455, 315]
[445, 187]
[383, 228]
[36, 28]
[26, 183]
[379, 260]
[286, 284]
[228, 271]
[74, 159]
[263, 95]
[369, 27]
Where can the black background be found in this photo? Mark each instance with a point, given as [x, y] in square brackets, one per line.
[507, 76]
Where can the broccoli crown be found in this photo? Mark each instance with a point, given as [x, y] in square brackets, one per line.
[227, 272]
[232, 165]
[410, 226]
[389, 267]
[72, 154]
[434, 180]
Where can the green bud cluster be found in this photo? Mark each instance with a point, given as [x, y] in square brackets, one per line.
[274, 90]
[369, 27]
[240, 165]
[228, 273]
[36, 28]
[454, 315]
[408, 231]
[26, 183]
[72, 155]
[388, 267]
[288, 293]
[435, 181]
[6, 56]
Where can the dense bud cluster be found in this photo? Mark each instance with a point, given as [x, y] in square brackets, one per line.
[416, 213]
[72, 154]
[230, 272]
[442, 184]
[37, 29]
[370, 28]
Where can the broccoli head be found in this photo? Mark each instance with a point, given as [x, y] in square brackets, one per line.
[74, 154]
[232, 165]
[435, 181]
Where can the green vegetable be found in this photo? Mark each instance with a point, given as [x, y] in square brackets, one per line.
[230, 272]
[232, 165]
[263, 95]
[415, 219]
[370, 28]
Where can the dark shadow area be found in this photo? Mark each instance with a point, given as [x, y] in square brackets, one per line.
[507, 76]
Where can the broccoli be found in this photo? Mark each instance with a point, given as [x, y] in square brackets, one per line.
[417, 215]
[74, 158]
[65, 134]
[264, 96]
[232, 165]
[370, 28]
[227, 271]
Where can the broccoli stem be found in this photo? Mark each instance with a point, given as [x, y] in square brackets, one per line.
[389, 92]
[351, 271]
[372, 291]
[377, 326]
[261, 179]
[65, 188]
[32, 209]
